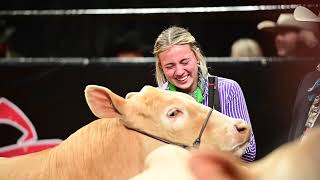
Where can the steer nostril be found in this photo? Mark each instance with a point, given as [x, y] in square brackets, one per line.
[241, 127]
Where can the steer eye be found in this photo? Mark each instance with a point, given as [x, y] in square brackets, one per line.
[173, 113]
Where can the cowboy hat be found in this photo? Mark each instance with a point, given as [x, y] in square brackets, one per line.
[304, 14]
[286, 21]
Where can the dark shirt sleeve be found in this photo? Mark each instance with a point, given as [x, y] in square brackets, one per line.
[301, 106]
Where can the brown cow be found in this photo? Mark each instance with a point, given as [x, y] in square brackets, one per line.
[295, 161]
[107, 149]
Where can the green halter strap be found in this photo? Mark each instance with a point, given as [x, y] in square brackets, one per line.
[198, 92]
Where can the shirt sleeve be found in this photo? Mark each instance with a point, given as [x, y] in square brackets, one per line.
[233, 104]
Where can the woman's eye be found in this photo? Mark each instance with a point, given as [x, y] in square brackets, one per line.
[185, 62]
[169, 67]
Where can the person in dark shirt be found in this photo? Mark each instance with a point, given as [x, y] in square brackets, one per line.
[307, 103]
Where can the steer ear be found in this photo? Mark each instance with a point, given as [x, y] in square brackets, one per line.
[130, 94]
[103, 102]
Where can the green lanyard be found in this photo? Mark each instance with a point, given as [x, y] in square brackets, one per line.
[198, 92]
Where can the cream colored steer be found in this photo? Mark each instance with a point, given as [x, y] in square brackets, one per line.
[298, 160]
[107, 149]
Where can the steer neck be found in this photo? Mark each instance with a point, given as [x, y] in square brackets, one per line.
[149, 144]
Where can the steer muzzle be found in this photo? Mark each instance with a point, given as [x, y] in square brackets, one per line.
[243, 130]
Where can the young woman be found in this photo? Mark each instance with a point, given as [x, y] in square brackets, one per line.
[180, 66]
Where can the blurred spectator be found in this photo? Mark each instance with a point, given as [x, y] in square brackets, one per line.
[130, 45]
[5, 34]
[306, 108]
[246, 47]
[293, 38]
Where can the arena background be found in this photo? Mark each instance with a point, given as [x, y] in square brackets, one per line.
[59, 54]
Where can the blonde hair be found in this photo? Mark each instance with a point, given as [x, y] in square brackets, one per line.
[246, 47]
[176, 36]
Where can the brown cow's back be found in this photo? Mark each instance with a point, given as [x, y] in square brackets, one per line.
[104, 149]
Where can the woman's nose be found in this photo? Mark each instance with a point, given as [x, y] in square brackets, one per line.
[179, 71]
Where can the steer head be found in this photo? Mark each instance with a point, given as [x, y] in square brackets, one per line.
[173, 116]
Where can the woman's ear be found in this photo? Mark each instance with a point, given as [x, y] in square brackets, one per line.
[159, 64]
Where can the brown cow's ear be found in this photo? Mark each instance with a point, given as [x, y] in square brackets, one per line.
[103, 102]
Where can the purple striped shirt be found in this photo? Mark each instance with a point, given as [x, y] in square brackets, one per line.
[232, 104]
